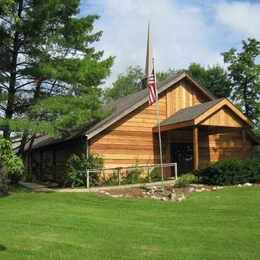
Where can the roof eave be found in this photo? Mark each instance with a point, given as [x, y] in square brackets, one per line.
[144, 100]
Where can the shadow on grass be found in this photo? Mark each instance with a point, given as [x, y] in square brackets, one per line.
[2, 248]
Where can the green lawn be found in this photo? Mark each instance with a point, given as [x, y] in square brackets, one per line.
[209, 225]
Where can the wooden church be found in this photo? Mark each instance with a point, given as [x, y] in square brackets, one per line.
[196, 130]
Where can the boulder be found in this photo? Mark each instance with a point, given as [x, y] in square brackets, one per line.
[173, 196]
[181, 198]
[191, 189]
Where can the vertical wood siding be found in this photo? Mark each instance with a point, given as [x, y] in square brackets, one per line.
[223, 143]
[131, 140]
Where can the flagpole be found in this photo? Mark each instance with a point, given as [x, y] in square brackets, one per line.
[159, 125]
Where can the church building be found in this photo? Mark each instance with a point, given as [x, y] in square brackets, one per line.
[196, 129]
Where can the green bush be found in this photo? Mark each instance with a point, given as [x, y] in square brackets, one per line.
[133, 176]
[185, 180]
[11, 166]
[112, 179]
[256, 152]
[77, 166]
[155, 174]
[230, 172]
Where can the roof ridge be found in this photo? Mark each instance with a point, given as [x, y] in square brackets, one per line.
[122, 109]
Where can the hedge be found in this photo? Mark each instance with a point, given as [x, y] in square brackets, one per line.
[230, 172]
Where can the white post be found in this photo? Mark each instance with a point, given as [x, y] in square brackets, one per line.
[87, 179]
[175, 171]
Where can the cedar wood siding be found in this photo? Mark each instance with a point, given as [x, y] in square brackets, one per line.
[223, 136]
[215, 143]
[131, 140]
[220, 143]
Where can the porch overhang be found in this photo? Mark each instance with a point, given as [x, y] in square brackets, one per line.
[168, 127]
[216, 113]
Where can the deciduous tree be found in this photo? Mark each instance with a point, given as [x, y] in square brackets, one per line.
[131, 82]
[214, 78]
[244, 73]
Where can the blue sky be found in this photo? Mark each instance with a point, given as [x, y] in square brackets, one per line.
[183, 31]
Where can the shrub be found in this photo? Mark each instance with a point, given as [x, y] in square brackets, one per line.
[155, 174]
[11, 166]
[230, 172]
[256, 153]
[133, 176]
[77, 166]
[185, 180]
[112, 179]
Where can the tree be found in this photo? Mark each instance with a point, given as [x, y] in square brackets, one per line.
[214, 78]
[47, 62]
[126, 83]
[163, 75]
[10, 164]
[244, 74]
[131, 82]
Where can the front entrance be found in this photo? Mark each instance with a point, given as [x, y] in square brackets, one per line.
[182, 154]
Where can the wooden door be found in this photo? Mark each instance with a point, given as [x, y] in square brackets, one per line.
[182, 154]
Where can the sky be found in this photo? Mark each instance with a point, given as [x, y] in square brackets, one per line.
[183, 31]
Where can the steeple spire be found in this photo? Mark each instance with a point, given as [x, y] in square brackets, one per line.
[149, 55]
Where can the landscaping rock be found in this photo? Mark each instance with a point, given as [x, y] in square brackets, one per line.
[248, 184]
[155, 197]
[191, 189]
[164, 199]
[181, 198]
[173, 196]
[116, 196]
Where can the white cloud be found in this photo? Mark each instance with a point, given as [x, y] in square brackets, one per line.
[182, 33]
[241, 17]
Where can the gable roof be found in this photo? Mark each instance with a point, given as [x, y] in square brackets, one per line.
[120, 108]
[196, 114]
[128, 104]
[190, 113]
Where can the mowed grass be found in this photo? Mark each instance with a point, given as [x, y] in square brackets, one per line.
[209, 225]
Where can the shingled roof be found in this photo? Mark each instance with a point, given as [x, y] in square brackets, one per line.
[190, 113]
[128, 104]
[120, 108]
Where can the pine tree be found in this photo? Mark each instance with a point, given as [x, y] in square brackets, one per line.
[47, 62]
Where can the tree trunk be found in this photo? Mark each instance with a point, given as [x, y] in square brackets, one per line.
[25, 136]
[12, 81]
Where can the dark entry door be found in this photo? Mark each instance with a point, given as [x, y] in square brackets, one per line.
[182, 153]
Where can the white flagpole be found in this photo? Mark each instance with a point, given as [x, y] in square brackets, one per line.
[159, 124]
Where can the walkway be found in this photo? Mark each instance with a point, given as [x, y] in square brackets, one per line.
[41, 188]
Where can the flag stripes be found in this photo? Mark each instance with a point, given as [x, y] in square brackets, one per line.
[152, 90]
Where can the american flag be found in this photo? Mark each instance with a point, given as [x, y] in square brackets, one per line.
[152, 90]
